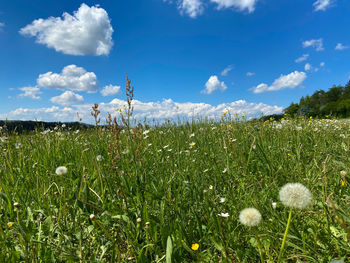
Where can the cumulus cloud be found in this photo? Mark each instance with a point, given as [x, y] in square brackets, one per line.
[226, 70]
[250, 74]
[192, 8]
[110, 90]
[87, 32]
[307, 67]
[71, 78]
[340, 46]
[315, 43]
[302, 58]
[213, 84]
[240, 5]
[30, 92]
[290, 81]
[67, 98]
[322, 5]
[159, 110]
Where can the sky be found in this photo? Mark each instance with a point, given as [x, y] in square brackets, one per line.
[185, 58]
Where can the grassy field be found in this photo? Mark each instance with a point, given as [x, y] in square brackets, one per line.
[174, 193]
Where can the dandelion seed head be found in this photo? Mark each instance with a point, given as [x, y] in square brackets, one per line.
[250, 217]
[295, 195]
[99, 158]
[61, 170]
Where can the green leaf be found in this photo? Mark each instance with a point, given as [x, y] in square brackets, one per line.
[169, 250]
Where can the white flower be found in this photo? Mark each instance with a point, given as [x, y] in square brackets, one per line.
[63, 125]
[222, 200]
[274, 205]
[211, 187]
[192, 144]
[295, 195]
[224, 171]
[145, 132]
[99, 158]
[250, 217]
[192, 135]
[61, 170]
[224, 214]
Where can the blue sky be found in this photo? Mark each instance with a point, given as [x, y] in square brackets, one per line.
[175, 52]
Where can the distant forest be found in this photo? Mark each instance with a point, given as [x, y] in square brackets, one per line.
[334, 102]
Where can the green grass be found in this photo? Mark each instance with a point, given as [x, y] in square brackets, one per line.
[155, 194]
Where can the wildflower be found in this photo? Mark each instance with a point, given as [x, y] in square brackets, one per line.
[295, 195]
[224, 171]
[211, 187]
[192, 144]
[224, 214]
[145, 132]
[222, 200]
[99, 158]
[250, 217]
[138, 220]
[195, 246]
[343, 173]
[92, 217]
[16, 205]
[61, 170]
[63, 125]
[192, 135]
[343, 182]
[274, 205]
[10, 224]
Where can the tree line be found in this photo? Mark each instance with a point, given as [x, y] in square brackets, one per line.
[334, 102]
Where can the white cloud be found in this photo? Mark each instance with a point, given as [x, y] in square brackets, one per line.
[67, 98]
[87, 32]
[250, 74]
[302, 58]
[322, 5]
[110, 90]
[315, 43]
[290, 81]
[240, 5]
[340, 46]
[192, 8]
[159, 110]
[307, 67]
[30, 92]
[322, 64]
[71, 78]
[226, 70]
[213, 84]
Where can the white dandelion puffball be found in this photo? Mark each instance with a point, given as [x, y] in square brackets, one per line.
[250, 217]
[61, 170]
[99, 158]
[295, 195]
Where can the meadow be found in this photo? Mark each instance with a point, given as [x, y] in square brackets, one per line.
[174, 192]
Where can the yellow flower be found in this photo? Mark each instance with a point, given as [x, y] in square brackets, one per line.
[195, 246]
[10, 224]
[343, 183]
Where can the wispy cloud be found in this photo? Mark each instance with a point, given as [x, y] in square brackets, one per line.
[302, 58]
[213, 84]
[289, 81]
[322, 5]
[2, 25]
[250, 74]
[30, 92]
[315, 43]
[226, 70]
[192, 8]
[340, 46]
[240, 5]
